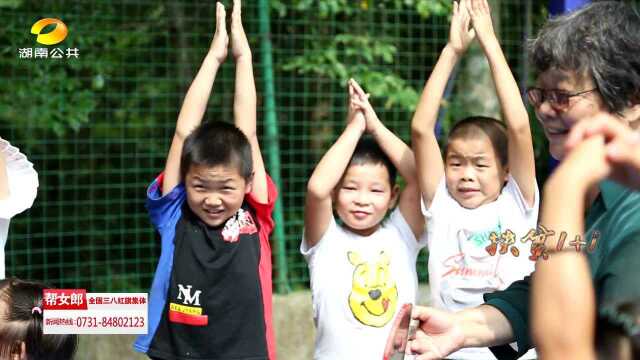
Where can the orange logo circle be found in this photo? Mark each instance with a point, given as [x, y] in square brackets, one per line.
[56, 36]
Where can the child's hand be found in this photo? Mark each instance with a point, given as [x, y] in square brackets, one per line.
[622, 146]
[480, 14]
[239, 43]
[360, 100]
[460, 36]
[220, 41]
[355, 114]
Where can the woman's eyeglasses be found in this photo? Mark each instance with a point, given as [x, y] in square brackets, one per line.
[559, 99]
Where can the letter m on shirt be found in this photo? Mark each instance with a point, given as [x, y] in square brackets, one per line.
[184, 294]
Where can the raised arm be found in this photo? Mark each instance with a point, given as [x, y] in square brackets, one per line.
[561, 292]
[195, 102]
[327, 175]
[521, 158]
[562, 288]
[425, 145]
[4, 179]
[400, 155]
[244, 101]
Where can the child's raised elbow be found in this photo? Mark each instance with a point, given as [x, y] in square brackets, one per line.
[181, 135]
[418, 132]
[316, 190]
[522, 130]
[252, 136]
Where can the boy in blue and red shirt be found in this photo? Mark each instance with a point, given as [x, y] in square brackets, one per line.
[211, 293]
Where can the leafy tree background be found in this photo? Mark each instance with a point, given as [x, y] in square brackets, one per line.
[98, 127]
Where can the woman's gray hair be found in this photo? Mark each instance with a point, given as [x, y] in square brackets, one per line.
[600, 41]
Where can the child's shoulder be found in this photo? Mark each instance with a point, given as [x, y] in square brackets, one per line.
[154, 190]
[272, 194]
[164, 208]
[512, 193]
[395, 224]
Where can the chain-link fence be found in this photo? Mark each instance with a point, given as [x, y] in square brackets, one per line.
[98, 126]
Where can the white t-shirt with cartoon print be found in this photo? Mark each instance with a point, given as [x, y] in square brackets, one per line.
[358, 283]
[462, 263]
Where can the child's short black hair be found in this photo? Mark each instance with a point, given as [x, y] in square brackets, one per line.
[369, 152]
[21, 323]
[494, 129]
[216, 143]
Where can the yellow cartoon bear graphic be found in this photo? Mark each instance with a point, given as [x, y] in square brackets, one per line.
[374, 294]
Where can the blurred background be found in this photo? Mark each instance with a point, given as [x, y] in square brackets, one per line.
[98, 125]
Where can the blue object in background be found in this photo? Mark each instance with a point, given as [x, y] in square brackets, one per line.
[558, 7]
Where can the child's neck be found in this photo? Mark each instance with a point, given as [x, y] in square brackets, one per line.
[362, 232]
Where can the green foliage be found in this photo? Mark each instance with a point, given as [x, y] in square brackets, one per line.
[355, 52]
[327, 8]
[11, 4]
[61, 95]
[428, 8]
[75, 118]
[354, 56]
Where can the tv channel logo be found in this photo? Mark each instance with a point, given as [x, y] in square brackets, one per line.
[51, 37]
[56, 36]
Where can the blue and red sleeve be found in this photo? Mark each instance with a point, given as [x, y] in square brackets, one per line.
[266, 224]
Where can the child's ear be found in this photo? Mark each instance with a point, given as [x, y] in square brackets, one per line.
[336, 190]
[248, 184]
[506, 173]
[395, 194]
[334, 194]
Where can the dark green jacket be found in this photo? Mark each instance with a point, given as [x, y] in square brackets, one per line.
[614, 263]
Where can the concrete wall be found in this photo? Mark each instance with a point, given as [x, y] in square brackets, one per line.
[293, 323]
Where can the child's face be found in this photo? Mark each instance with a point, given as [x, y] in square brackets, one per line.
[473, 173]
[215, 193]
[363, 197]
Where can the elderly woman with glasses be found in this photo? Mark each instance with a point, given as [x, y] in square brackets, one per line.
[587, 99]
